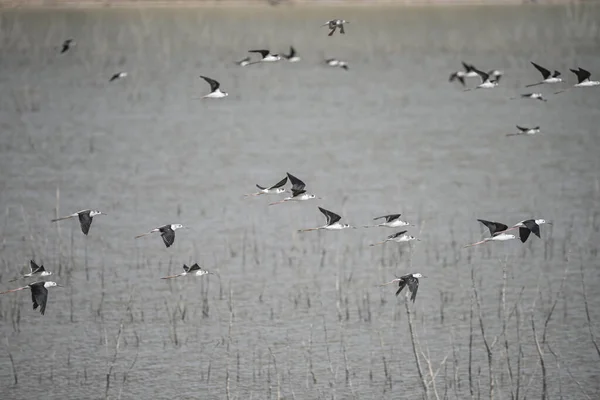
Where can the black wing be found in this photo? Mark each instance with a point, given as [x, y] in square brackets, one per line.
[395, 235]
[65, 48]
[279, 184]
[263, 53]
[484, 77]
[292, 52]
[582, 74]
[297, 184]
[260, 187]
[401, 284]
[524, 234]
[556, 74]
[34, 267]
[214, 85]
[296, 193]
[533, 227]
[168, 236]
[114, 77]
[545, 73]
[388, 218]
[342, 29]
[468, 68]
[332, 218]
[522, 129]
[494, 226]
[39, 296]
[85, 221]
[194, 267]
[413, 286]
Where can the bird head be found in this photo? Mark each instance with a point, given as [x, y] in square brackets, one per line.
[50, 284]
[418, 275]
[93, 213]
[542, 221]
[177, 226]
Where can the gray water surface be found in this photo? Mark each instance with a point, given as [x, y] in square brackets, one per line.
[297, 315]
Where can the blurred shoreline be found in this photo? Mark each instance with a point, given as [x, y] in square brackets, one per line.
[244, 3]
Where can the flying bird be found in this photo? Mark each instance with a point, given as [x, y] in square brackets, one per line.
[292, 57]
[215, 91]
[118, 75]
[266, 56]
[334, 62]
[39, 293]
[34, 269]
[167, 232]
[334, 24]
[391, 221]
[534, 96]
[548, 76]
[583, 79]
[333, 222]
[398, 238]
[487, 82]
[298, 191]
[469, 72]
[194, 270]
[243, 62]
[497, 237]
[525, 131]
[85, 218]
[66, 46]
[275, 189]
[410, 280]
[529, 225]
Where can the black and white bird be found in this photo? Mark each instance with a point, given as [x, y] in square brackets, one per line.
[167, 232]
[277, 188]
[293, 56]
[34, 269]
[66, 46]
[488, 80]
[548, 76]
[410, 280]
[534, 96]
[243, 62]
[583, 79]
[332, 224]
[334, 24]
[39, 293]
[215, 90]
[529, 225]
[391, 221]
[397, 237]
[194, 270]
[266, 56]
[298, 191]
[334, 62]
[118, 75]
[469, 72]
[85, 218]
[525, 131]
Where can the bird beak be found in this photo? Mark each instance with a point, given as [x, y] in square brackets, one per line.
[424, 276]
[59, 285]
[549, 223]
[418, 240]
[103, 213]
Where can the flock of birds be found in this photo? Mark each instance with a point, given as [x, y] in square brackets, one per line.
[297, 191]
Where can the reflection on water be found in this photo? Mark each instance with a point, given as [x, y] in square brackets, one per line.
[297, 314]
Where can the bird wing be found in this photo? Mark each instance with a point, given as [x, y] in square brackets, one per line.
[413, 286]
[260, 187]
[395, 235]
[388, 218]
[114, 77]
[186, 268]
[581, 76]
[332, 217]
[585, 74]
[85, 221]
[292, 52]
[39, 296]
[214, 85]
[296, 193]
[194, 267]
[401, 284]
[168, 236]
[468, 68]
[297, 184]
[524, 234]
[533, 227]
[279, 184]
[263, 53]
[545, 73]
[522, 129]
[33, 266]
[484, 77]
[556, 74]
[493, 226]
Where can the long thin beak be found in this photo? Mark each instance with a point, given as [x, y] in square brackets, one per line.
[549, 223]
[59, 285]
